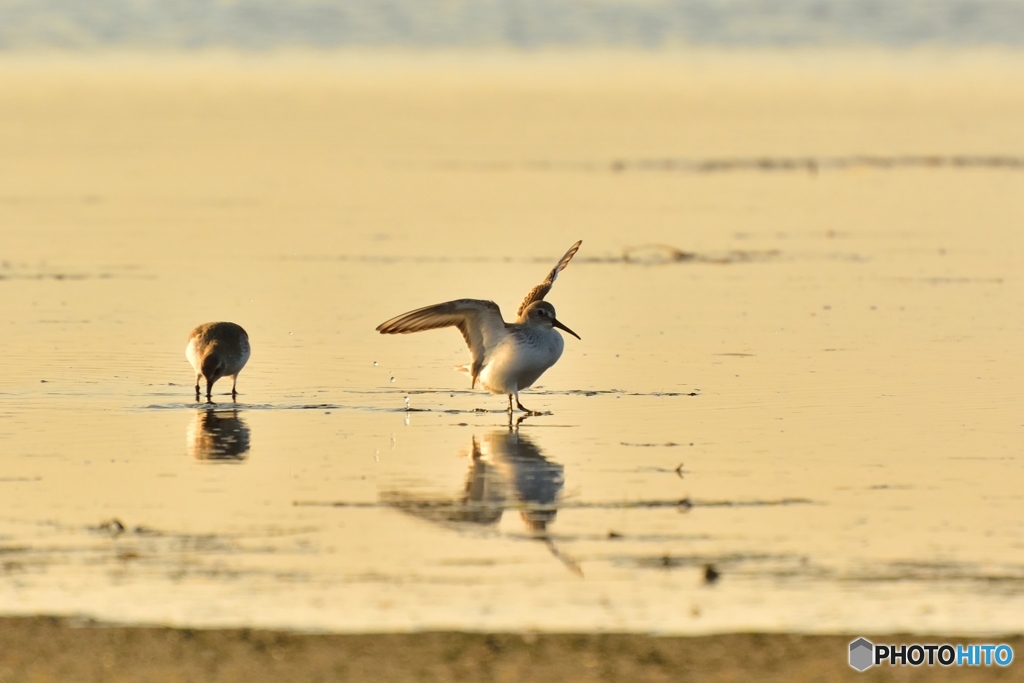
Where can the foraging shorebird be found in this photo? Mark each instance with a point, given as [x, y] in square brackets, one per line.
[217, 350]
[505, 358]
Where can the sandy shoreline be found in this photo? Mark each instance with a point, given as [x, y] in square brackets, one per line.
[52, 649]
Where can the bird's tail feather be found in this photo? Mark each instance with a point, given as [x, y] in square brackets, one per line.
[468, 370]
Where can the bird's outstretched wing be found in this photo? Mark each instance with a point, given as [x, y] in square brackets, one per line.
[541, 290]
[479, 321]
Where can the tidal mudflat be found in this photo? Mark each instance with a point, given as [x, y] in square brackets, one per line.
[795, 406]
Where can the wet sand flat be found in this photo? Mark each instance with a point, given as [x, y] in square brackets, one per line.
[795, 407]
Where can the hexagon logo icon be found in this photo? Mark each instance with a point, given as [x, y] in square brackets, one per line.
[861, 654]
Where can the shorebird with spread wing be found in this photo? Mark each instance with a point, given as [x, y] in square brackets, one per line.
[505, 358]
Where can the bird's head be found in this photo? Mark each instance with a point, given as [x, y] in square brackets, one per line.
[213, 367]
[543, 313]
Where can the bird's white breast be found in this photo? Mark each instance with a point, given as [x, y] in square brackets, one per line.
[192, 354]
[518, 361]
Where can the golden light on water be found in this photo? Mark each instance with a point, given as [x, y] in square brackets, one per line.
[821, 368]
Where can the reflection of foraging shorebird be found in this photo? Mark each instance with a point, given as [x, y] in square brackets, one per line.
[217, 350]
[505, 357]
[218, 436]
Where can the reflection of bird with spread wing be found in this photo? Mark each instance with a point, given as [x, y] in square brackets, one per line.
[217, 435]
[506, 471]
[533, 482]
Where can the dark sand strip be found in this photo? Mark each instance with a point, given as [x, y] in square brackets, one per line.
[43, 649]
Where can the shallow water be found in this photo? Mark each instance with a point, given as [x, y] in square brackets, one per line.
[803, 383]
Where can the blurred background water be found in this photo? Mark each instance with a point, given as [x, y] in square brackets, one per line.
[268, 24]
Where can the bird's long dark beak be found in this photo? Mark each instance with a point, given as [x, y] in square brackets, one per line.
[563, 327]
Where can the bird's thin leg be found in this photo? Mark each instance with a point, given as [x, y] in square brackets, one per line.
[520, 405]
[197, 386]
[510, 406]
[234, 381]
